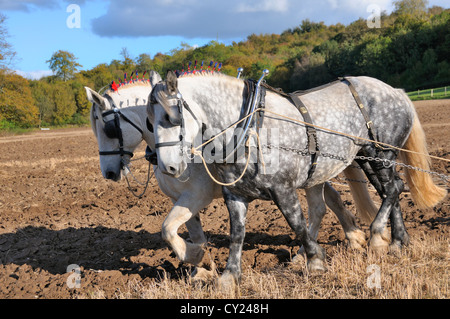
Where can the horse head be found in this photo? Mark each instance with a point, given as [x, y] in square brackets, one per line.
[117, 128]
[176, 126]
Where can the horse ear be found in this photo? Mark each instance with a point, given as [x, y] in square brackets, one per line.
[172, 83]
[155, 78]
[96, 98]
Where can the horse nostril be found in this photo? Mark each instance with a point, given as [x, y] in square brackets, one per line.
[111, 175]
[171, 170]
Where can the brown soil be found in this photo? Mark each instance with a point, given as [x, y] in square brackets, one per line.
[57, 210]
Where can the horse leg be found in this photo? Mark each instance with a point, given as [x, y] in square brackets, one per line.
[237, 208]
[184, 211]
[398, 230]
[389, 186]
[316, 209]
[196, 234]
[371, 175]
[287, 201]
[206, 268]
[354, 235]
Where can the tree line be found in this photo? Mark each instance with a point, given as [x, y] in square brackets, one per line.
[409, 50]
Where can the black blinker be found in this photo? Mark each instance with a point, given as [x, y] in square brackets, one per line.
[149, 126]
[110, 129]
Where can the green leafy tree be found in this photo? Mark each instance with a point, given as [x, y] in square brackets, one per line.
[415, 8]
[63, 64]
[63, 103]
[127, 61]
[144, 63]
[79, 95]
[101, 75]
[41, 91]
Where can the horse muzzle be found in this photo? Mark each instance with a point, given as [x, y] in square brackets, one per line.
[175, 170]
[113, 175]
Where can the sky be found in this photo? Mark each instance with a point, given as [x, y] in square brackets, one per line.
[95, 31]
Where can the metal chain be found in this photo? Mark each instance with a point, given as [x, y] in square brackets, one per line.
[386, 162]
[145, 184]
[305, 152]
[444, 177]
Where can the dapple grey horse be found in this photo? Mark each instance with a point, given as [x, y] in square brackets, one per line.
[198, 191]
[183, 109]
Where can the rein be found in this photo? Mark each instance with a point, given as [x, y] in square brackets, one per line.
[145, 184]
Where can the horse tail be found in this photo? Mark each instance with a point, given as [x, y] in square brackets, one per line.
[425, 193]
[363, 202]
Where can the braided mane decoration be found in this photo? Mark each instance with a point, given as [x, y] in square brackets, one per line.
[210, 70]
[115, 87]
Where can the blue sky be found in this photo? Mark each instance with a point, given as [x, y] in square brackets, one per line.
[38, 28]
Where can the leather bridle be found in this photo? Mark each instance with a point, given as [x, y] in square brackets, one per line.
[181, 105]
[112, 130]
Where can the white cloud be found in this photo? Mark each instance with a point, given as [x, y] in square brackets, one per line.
[333, 4]
[361, 6]
[27, 5]
[34, 75]
[263, 6]
[194, 18]
[230, 19]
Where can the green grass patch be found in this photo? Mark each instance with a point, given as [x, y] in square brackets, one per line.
[430, 94]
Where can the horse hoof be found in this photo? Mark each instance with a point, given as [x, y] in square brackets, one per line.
[378, 244]
[396, 245]
[202, 275]
[316, 265]
[206, 260]
[395, 249]
[196, 255]
[299, 257]
[205, 269]
[227, 283]
[356, 239]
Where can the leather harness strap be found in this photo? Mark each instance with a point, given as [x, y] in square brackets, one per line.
[311, 132]
[313, 145]
[361, 107]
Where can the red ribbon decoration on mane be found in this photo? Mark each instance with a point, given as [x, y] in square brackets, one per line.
[114, 86]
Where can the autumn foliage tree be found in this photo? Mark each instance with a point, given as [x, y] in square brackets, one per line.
[17, 107]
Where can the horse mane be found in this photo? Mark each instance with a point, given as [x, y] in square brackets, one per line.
[200, 73]
[206, 74]
[128, 85]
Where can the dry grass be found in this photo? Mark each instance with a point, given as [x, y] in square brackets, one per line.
[420, 271]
